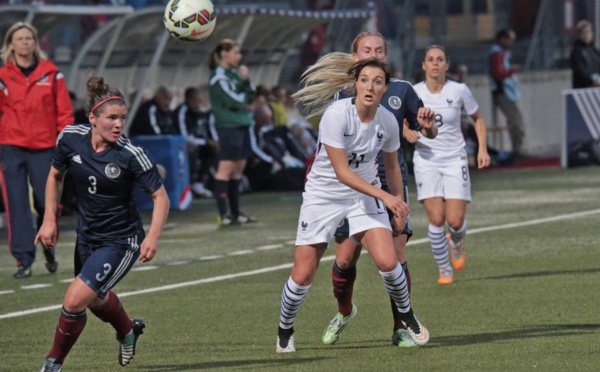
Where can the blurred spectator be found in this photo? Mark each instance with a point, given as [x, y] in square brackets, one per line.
[317, 37]
[193, 120]
[458, 72]
[154, 117]
[505, 87]
[313, 46]
[80, 114]
[585, 58]
[277, 100]
[34, 108]
[273, 167]
[301, 128]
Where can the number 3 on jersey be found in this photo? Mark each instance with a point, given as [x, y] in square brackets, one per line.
[92, 188]
[107, 269]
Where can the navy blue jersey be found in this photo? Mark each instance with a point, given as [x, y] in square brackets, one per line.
[104, 183]
[402, 100]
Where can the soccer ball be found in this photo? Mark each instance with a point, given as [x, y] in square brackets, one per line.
[190, 20]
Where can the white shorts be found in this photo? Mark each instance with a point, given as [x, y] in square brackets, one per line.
[449, 181]
[319, 218]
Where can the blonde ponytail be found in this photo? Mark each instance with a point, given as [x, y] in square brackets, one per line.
[323, 80]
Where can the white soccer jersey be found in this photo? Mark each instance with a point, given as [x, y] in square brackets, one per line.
[449, 143]
[340, 127]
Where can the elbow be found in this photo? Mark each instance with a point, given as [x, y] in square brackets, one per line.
[342, 177]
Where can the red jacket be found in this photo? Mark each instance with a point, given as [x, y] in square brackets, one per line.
[34, 109]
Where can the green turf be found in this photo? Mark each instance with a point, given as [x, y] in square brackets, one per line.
[527, 300]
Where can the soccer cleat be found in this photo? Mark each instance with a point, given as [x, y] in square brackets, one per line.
[401, 338]
[127, 344]
[244, 219]
[51, 263]
[457, 253]
[227, 220]
[417, 332]
[51, 365]
[446, 277]
[336, 326]
[22, 272]
[285, 341]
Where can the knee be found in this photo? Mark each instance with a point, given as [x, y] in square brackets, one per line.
[437, 219]
[387, 267]
[74, 306]
[345, 261]
[302, 276]
[302, 279]
[455, 223]
[97, 303]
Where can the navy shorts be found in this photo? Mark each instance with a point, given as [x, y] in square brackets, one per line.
[234, 143]
[102, 265]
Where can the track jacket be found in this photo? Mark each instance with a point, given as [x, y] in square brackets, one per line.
[33, 109]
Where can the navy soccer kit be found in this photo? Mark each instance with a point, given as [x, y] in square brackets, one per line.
[109, 228]
[402, 101]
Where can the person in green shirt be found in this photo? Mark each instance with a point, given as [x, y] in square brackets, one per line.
[230, 92]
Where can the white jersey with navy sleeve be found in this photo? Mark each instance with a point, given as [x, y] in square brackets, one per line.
[340, 127]
[447, 104]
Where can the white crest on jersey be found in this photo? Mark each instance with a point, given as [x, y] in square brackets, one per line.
[395, 102]
[112, 170]
[76, 159]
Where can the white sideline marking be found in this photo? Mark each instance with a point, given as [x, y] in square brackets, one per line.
[36, 286]
[289, 265]
[66, 280]
[145, 268]
[209, 258]
[177, 263]
[6, 292]
[240, 253]
[269, 247]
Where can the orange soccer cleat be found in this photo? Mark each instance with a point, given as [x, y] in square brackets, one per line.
[457, 254]
[446, 277]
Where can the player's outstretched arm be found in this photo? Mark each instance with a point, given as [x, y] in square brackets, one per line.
[160, 213]
[48, 232]
[483, 158]
[396, 184]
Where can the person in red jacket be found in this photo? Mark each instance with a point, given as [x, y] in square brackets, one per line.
[34, 108]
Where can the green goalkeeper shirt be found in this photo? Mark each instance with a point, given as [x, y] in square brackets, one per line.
[229, 95]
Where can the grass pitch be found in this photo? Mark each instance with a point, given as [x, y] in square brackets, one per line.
[527, 300]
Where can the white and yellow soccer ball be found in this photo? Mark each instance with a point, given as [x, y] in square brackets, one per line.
[190, 20]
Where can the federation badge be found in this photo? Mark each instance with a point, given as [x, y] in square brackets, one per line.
[112, 170]
[395, 102]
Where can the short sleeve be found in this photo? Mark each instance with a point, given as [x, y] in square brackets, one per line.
[145, 171]
[393, 142]
[332, 126]
[469, 102]
[413, 104]
[60, 159]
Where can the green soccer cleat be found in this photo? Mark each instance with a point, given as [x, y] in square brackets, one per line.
[127, 345]
[401, 338]
[335, 328]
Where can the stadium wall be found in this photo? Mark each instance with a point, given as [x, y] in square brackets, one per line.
[541, 106]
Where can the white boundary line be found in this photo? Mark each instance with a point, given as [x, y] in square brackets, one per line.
[289, 265]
